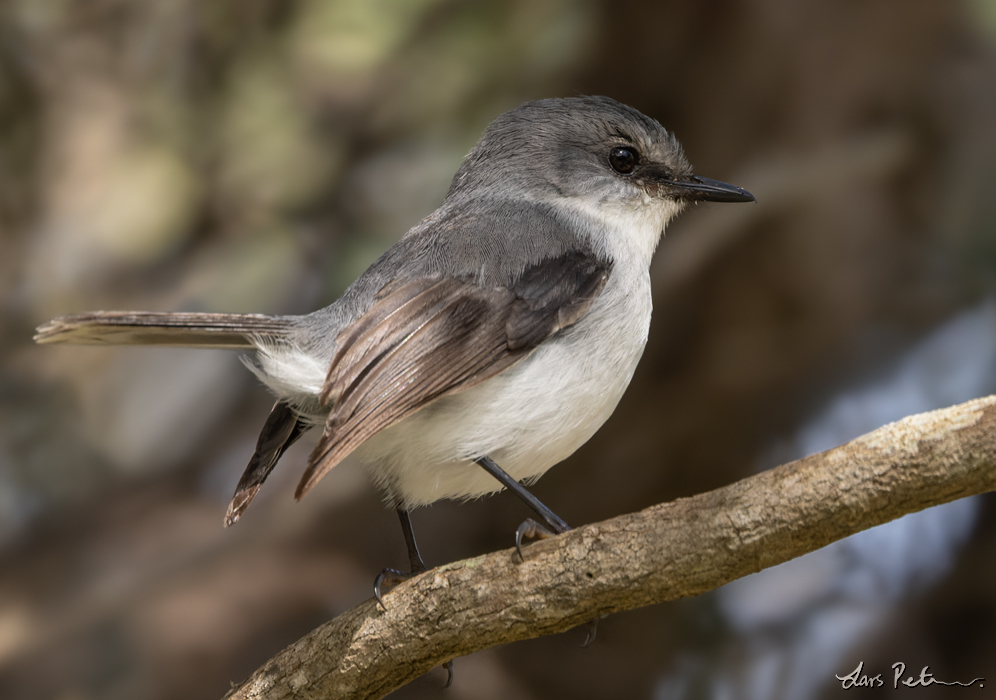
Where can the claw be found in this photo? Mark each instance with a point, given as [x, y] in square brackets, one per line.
[532, 530]
[392, 577]
[449, 670]
[389, 578]
[591, 628]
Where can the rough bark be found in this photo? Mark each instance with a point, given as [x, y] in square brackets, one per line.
[667, 551]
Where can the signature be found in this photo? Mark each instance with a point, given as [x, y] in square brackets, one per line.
[859, 679]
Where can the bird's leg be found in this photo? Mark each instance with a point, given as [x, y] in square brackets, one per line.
[392, 577]
[529, 528]
[414, 558]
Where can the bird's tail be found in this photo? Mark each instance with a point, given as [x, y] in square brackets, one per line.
[197, 330]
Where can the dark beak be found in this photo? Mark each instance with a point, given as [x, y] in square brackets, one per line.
[702, 189]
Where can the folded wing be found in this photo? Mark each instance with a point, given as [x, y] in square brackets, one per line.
[426, 338]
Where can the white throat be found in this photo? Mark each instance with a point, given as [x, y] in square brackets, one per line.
[627, 232]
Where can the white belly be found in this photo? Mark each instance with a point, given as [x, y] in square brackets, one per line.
[527, 418]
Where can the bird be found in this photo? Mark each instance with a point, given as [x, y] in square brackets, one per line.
[486, 345]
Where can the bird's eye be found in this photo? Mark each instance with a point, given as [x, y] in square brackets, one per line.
[623, 159]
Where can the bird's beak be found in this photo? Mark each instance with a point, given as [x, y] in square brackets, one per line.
[702, 189]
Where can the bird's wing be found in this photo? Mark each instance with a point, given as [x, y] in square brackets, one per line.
[425, 338]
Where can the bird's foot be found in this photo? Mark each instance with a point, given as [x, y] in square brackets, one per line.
[532, 530]
[388, 579]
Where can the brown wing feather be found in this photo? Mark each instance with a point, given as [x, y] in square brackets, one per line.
[358, 345]
[457, 329]
[427, 338]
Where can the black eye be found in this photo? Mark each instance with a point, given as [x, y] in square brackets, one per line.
[623, 159]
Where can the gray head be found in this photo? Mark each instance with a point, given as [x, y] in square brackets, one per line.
[590, 147]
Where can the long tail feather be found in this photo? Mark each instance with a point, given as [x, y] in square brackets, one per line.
[201, 330]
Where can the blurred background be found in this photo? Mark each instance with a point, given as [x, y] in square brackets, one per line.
[257, 155]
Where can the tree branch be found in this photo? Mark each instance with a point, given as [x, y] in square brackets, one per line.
[667, 551]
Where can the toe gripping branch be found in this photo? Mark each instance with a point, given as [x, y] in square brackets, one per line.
[388, 578]
[531, 529]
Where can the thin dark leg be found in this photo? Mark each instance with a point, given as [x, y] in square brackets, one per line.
[530, 528]
[392, 577]
[414, 558]
[551, 518]
[388, 578]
